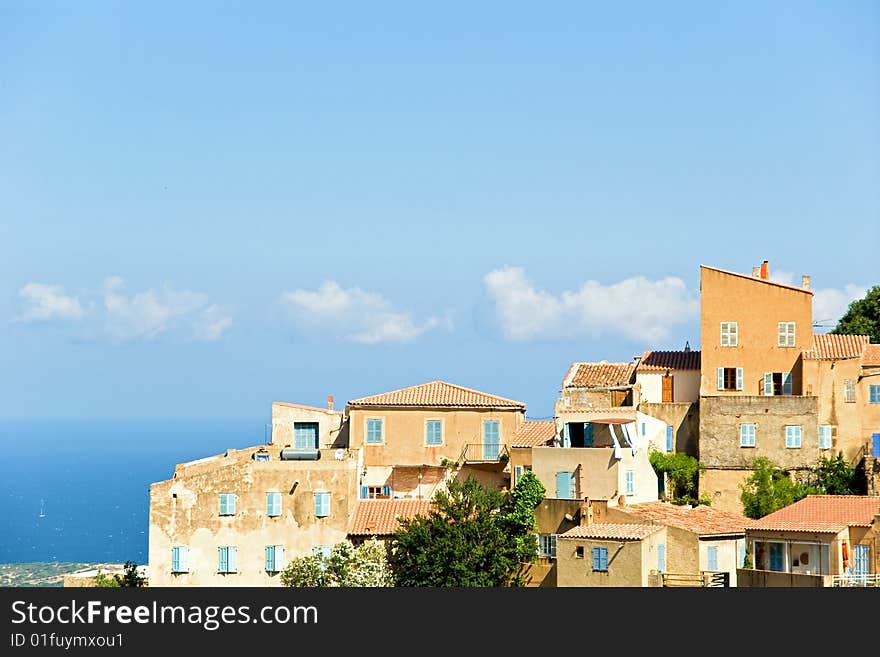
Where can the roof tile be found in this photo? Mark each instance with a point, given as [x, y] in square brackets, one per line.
[660, 361]
[871, 356]
[534, 433]
[600, 375]
[701, 520]
[379, 517]
[612, 531]
[823, 513]
[830, 346]
[437, 393]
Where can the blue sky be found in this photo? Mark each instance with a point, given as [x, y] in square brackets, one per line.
[204, 209]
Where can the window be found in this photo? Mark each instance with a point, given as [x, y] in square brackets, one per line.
[322, 504]
[741, 563]
[579, 552]
[180, 559]
[228, 559]
[261, 456]
[273, 504]
[661, 558]
[824, 436]
[849, 390]
[274, 558]
[227, 504]
[600, 559]
[547, 545]
[747, 435]
[491, 439]
[785, 332]
[374, 430]
[565, 486]
[792, 436]
[518, 471]
[730, 378]
[305, 435]
[376, 492]
[668, 439]
[777, 383]
[729, 334]
[874, 394]
[433, 432]
[322, 551]
[630, 482]
[712, 557]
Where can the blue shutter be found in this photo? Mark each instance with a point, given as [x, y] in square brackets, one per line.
[661, 558]
[365, 492]
[183, 559]
[739, 378]
[270, 558]
[721, 378]
[713, 558]
[603, 553]
[630, 482]
[224, 560]
[668, 439]
[175, 560]
[768, 384]
[386, 490]
[776, 561]
[875, 445]
[562, 485]
[588, 434]
[322, 504]
[223, 508]
[596, 559]
[517, 473]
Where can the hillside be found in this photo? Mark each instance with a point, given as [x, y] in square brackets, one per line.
[43, 574]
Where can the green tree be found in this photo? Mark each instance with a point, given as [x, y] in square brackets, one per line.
[835, 476]
[862, 317]
[473, 537]
[769, 489]
[131, 577]
[105, 581]
[346, 565]
[683, 472]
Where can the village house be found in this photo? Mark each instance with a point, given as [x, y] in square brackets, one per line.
[821, 540]
[670, 392]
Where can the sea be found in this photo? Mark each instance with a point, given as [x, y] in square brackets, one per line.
[79, 490]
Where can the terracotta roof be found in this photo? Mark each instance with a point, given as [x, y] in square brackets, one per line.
[871, 356]
[599, 375]
[612, 531]
[828, 346]
[823, 513]
[758, 280]
[534, 433]
[379, 517]
[701, 520]
[660, 361]
[437, 393]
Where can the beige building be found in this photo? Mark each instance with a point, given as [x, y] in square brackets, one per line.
[670, 392]
[233, 519]
[701, 541]
[821, 540]
[610, 555]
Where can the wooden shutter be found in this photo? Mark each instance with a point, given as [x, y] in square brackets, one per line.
[668, 389]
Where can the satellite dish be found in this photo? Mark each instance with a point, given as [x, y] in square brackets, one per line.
[339, 455]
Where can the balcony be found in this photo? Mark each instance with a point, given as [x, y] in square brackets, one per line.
[487, 453]
[855, 580]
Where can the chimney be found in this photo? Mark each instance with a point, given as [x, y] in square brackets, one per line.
[756, 272]
[593, 511]
[765, 269]
[805, 282]
[329, 402]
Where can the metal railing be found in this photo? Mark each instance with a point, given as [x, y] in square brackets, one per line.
[855, 580]
[702, 579]
[485, 452]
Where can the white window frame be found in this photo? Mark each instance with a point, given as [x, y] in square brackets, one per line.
[228, 496]
[182, 559]
[442, 427]
[872, 399]
[325, 495]
[826, 431]
[785, 334]
[547, 545]
[729, 334]
[277, 559]
[273, 495]
[629, 479]
[792, 436]
[748, 432]
[849, 390]
[230, 550]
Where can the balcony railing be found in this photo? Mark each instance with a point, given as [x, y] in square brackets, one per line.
[855, 580]
[484, 452]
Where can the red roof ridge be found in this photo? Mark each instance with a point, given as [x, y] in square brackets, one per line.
[375, 399]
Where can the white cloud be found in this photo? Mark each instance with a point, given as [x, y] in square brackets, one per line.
[148, 314]
[352, 314]
[47, 302]
[830, 304]
[638, 308]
